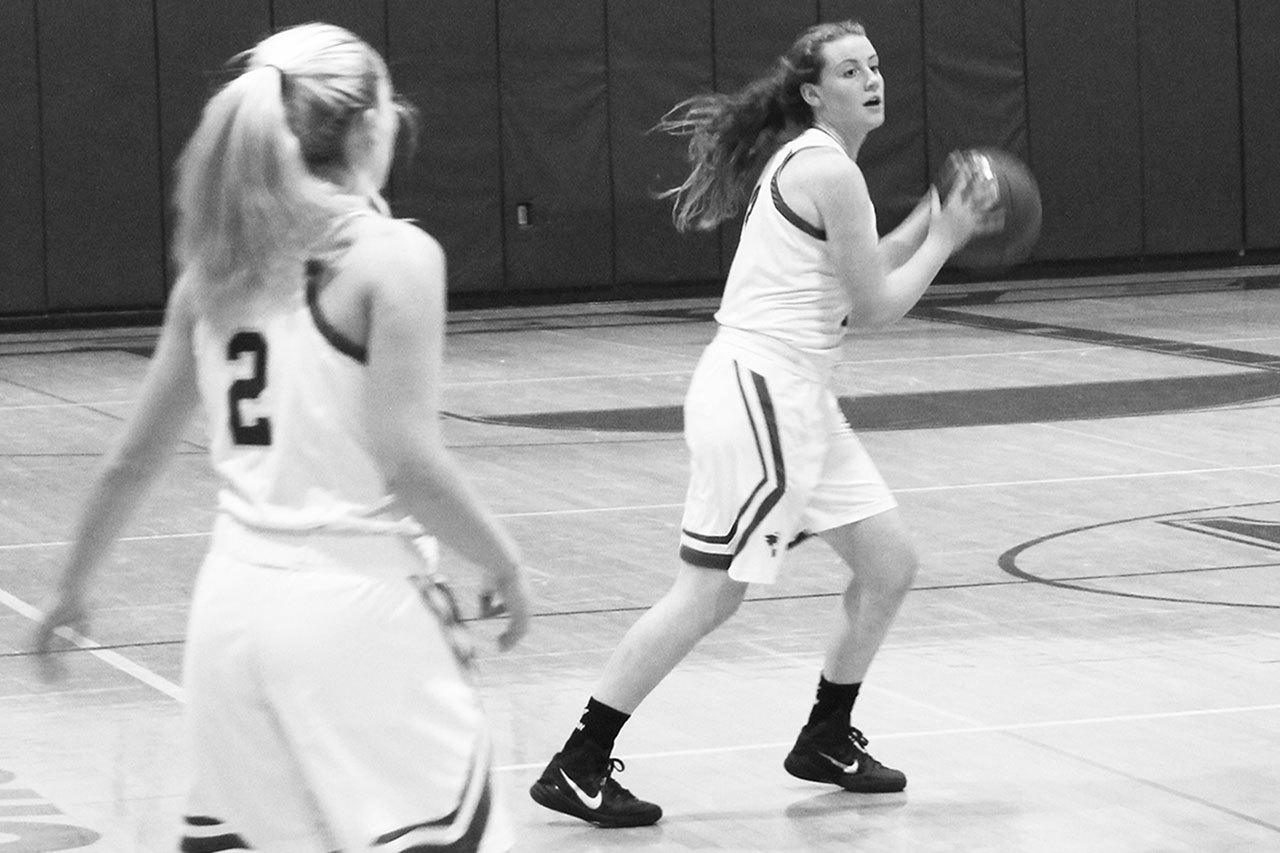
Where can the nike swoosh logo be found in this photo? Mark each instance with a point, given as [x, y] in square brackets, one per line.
[847, 768]
[592, 803]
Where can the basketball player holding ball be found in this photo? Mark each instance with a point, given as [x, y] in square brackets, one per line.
[772, 457]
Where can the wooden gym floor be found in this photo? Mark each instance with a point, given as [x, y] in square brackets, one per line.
[1090, 659]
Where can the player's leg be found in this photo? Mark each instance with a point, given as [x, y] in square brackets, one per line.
[854, 512]
[698, 602]
[368, 677]
[578, 780]
[882, 563]
[247, 791]
[829, 748]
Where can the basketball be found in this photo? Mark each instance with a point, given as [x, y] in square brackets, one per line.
[1019, 198]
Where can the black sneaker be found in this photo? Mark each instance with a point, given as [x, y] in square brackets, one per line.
[579, 782]
[834, 751]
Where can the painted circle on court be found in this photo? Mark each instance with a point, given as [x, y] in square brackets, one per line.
[1225, 555]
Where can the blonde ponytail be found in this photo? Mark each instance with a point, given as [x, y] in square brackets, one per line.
[259, 182]
[245, 196]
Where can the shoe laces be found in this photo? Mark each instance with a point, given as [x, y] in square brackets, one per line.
[859, 739]
[607, 782]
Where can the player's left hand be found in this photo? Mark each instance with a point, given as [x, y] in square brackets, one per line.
[67, 613]
[509, 597]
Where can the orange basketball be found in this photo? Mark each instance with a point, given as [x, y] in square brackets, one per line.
[1018, 195]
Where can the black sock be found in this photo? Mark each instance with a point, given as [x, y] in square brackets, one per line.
[600, 724]
[833, 699]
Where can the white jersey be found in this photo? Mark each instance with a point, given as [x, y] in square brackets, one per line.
[283, 394]
[782, 282]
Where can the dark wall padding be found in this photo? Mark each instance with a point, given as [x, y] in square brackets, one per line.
[101, 154]
[749, 37]
[659, 53]
[1086, 142]
[555, 137]
[974, 90]
[21, 195]
[196, 41]
[444, 58]
[893, 158]
[365, 18]
[1190, 125]
[1260, 97]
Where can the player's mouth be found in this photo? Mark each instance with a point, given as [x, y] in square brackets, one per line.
[875, 103]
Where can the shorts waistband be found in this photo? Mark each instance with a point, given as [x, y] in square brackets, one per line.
[815, 366]
[375, 555]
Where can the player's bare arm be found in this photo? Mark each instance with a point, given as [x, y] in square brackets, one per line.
[405, 291]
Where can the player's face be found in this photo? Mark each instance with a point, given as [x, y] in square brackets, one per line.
[850, 89]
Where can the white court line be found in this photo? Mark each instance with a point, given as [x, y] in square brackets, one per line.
[643, 507]
[964, 730]
[164, 686]
[1090, 479]
[154, 537]
[107, 656]
[587, 377]
[65, 405]
[946, 488]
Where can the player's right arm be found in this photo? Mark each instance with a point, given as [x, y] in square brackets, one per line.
[880, 295]
[405, 302]
[166, 403]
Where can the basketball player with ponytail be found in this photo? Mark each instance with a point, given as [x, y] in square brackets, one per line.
[327, 678]
[772, 458]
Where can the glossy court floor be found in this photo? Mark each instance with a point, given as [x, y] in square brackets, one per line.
[1089, 661]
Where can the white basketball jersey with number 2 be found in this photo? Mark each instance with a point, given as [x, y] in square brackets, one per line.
[285, 404]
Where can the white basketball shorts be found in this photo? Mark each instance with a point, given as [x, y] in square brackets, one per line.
[329, 702]
[772, 457]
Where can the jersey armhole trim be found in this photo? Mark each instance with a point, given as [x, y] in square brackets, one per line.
[785, 209]
[315, 272]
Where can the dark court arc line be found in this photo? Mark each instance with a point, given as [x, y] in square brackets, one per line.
[1008, 561]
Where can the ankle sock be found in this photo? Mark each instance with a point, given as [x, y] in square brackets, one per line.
[600, 724]
[832, 700]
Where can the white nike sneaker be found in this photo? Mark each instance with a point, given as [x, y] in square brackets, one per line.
[579, 782]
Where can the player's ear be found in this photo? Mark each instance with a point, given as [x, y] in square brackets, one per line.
[811, 95]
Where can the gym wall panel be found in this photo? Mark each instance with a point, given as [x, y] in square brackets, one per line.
[749, 36]
[1259, 84]
[1082, 100]
[195, 40]
[1192, 183]
[893, 159]
[659, 54]
[444, 58]
[555, 140]
[365, 18]
[974, 87]
[101, 154]
[21, 198]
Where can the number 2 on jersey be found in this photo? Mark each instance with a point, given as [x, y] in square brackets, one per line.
[249, 388]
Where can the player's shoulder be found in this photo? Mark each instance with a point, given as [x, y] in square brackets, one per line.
[395, 264]
[386, 241]
[822, 163]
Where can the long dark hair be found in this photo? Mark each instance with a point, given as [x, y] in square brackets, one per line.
[732, 136]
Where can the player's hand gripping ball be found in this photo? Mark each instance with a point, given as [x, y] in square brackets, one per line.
[1017, 198]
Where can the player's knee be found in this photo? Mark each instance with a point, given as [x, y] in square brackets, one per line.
[894, 573]
[709, 600]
